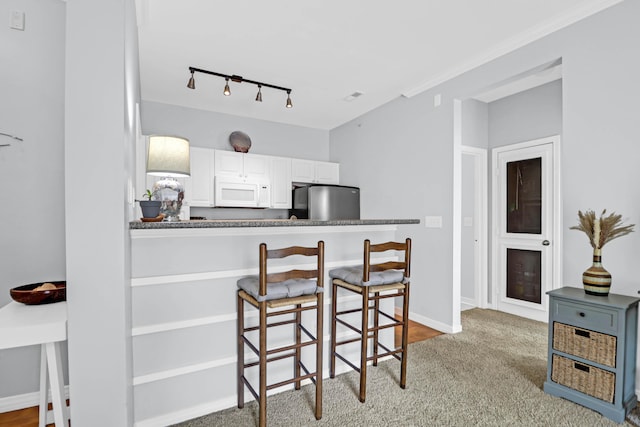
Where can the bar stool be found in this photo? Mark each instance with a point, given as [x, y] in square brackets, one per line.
[370, 281]
[269, 293]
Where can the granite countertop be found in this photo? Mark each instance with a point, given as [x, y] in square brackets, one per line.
[232, 223]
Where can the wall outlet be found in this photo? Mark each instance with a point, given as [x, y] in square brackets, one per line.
[433, 221]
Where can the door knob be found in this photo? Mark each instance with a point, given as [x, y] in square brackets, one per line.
[545, 243]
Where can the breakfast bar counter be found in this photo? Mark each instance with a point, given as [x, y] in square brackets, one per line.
[236, 223]
[183, 303]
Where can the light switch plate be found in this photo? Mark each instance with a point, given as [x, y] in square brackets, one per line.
[433, 221]
[17, 20]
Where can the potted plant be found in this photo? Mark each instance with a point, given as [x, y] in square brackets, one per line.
[150, 208]
[599, 231]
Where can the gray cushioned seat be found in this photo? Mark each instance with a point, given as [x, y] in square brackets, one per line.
[353, 275]
[287, 289]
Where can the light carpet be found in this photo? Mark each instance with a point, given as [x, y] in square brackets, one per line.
[490, 374]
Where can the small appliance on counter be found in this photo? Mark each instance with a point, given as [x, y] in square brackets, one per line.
[324, 202]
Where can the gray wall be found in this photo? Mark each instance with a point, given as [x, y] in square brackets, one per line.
[401, 156]
[102, 89]
[475, 123]
[32, 240]
[406, 145]
[211, 130]
[528, 115]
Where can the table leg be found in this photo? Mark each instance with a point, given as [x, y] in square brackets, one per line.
[44, 387]
[57, 385]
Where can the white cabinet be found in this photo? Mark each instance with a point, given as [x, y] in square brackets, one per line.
[243, 165]
[327, 173]
[202, 163]
[280, 183]
[315, 172]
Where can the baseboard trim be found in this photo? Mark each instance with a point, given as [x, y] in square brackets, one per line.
[27, 400]
[227, 402]
[467, 304]
[435, 324]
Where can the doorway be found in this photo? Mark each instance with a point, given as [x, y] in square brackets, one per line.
[525, 222]
[473, 256]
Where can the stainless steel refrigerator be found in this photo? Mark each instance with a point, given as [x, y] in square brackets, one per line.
[326, 202]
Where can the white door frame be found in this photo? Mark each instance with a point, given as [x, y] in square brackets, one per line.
[556, 233]
[480, 218]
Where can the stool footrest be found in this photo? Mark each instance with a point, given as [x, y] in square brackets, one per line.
[354, 367]
[290, 381]
[248, 384]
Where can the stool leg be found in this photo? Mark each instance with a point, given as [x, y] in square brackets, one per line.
[57, 385]
[263, 366]
[332, 355]
[405, 336]
[240, 362]
[44, 387]
[363, 342]
[296, 357]
[376, 310]
[320, 340]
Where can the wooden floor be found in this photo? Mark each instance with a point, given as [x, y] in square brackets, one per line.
[29, 417]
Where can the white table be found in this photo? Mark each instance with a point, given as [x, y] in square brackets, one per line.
[46, 325]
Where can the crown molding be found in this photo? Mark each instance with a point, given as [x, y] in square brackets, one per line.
[514, 43]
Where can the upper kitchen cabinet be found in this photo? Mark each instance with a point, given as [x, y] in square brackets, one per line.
[242, 165]
[315, 172]
[280, 183]
[202, 172]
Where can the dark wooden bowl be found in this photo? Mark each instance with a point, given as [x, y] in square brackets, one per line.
[27, 295]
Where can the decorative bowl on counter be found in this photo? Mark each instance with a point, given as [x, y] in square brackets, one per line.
[40, 293]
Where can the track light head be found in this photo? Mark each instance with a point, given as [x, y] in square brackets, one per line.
[259, 95]
[227, 90]
[192, 81]
[289, 103]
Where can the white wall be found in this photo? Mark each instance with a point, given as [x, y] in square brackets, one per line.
[467, 265]
[406, 146]
[211, 130]
[101, 90]
[32, 238]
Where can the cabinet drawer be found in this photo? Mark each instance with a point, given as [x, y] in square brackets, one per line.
[586, 379]
[585, 316]
[594, 346]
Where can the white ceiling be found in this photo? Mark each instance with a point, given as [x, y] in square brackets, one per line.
[326, 50]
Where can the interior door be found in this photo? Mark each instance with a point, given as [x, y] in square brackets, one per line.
[525, 227]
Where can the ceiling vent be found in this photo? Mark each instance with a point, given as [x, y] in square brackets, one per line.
[353, 96]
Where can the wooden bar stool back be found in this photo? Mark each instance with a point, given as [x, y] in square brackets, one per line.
[278, 294]
[373, 282]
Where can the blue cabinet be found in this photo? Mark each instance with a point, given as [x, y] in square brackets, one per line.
[592, 350]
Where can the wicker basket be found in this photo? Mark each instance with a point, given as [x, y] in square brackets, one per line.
[586, 379]
[595, 346]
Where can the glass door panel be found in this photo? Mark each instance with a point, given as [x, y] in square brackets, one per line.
[524, 196]
[524, 268]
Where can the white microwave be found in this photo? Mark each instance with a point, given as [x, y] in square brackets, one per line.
[231, 191]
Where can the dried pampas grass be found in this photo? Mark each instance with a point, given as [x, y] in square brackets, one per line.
[601, 230]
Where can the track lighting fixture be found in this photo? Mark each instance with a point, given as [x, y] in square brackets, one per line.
[238, 79]
[192, 82]
[289, 103]
[227, 90]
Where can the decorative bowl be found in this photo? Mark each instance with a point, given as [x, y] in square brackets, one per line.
[27, 294]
